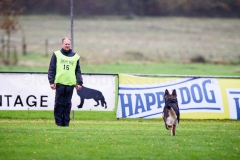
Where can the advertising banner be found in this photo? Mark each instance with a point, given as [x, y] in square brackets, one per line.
[198, 98]
[23, 91]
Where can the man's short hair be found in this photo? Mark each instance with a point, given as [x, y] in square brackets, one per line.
[65, 38]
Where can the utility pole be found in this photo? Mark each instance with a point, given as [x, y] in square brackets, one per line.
[71, 10]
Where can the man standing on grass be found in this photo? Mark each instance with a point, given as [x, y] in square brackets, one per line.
[64, 74]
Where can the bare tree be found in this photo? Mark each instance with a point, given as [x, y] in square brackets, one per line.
[9, 15]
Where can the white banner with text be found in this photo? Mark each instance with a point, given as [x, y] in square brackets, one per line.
[29, 91]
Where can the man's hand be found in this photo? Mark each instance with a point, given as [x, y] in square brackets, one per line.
[53, 86]
[78, 87]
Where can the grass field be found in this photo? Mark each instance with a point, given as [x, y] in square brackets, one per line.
[138, 68]
[42, 64]
[99, 135]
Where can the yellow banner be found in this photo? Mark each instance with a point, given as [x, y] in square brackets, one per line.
[198, 98]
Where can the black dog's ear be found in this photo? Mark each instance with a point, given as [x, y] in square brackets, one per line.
[166, 93]
[174, 93]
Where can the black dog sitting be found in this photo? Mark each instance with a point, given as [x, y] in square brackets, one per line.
[171, 113]
[88, 93]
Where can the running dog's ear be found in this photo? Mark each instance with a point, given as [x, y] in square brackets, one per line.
[174, 93]
[166, 93]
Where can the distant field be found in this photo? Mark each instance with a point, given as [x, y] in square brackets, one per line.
[134, 68]
[163, 45]
[101, 40]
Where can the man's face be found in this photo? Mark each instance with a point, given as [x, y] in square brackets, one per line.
[66, 44]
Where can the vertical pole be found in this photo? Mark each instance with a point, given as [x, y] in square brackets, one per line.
[2, 47]
[72, 40]
[71, 10]
[46, 46]
[15, 58]
[72, 114]
[24, 46]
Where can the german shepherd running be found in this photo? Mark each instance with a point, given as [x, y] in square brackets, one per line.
[171, 113]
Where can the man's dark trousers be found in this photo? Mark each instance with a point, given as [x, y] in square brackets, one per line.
[63, 104]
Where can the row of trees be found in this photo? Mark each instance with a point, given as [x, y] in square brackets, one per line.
[196, 8]
[9, 14]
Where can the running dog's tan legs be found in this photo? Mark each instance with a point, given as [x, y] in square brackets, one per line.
[173, 131]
